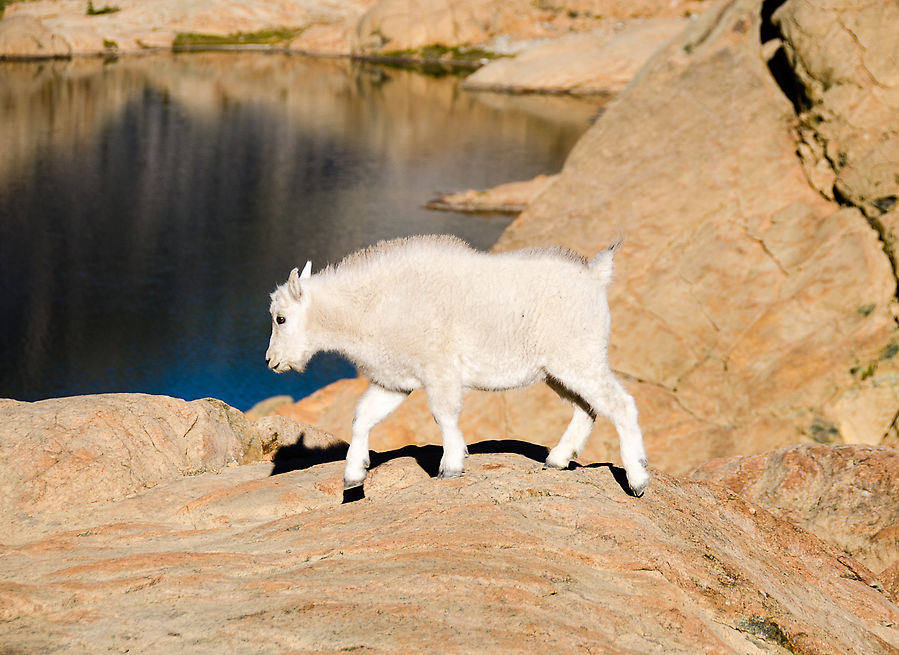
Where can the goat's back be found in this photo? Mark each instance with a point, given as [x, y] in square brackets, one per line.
[442, 283]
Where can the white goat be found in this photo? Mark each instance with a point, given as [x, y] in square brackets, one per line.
[432, 312]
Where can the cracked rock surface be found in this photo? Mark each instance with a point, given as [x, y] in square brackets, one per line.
[846, 495]
[845, 55]
[66, 452]
[507, 559]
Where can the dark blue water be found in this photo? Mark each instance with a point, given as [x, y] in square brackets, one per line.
[148, 206]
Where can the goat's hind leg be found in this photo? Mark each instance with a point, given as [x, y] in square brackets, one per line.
[607, 397]
[573, 441]
[374, 405]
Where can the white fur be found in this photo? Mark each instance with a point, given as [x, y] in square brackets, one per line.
[431, 312]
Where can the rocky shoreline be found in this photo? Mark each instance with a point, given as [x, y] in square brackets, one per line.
[751, 165]
[556, 47]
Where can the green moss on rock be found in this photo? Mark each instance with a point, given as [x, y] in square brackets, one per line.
[271, 36]
[439, 52]
[106, 9]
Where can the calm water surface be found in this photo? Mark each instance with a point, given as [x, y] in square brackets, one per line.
[148, 206]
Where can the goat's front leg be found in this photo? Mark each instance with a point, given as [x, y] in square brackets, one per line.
[373, 407]
[445, 400]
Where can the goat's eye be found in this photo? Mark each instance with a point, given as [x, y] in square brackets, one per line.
[280, 320]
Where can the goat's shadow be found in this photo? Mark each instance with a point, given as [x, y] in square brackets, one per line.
[298, 456]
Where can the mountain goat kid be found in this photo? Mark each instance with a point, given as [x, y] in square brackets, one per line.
[432, 312]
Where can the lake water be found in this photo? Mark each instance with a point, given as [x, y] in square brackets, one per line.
[148, 206]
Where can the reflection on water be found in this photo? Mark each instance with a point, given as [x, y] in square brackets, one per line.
[148, 206]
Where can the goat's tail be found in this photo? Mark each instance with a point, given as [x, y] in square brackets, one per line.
[602, 266]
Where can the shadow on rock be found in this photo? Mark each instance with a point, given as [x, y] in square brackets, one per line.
[617, 472]
[428, 458]
[298, 456]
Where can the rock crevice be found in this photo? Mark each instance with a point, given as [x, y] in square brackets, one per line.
[842, 108]
[845, 57]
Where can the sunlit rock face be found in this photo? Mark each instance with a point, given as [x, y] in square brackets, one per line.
[63, 453]
[846, 495]
[748, 310]
[135, 26]
[62, 28]
[844, 58]
[599, 61]
[26, 36]
[523, 559]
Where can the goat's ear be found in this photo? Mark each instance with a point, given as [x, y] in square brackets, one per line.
[307, 271]
[293, 284]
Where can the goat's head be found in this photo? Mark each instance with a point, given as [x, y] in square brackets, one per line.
[289, 347]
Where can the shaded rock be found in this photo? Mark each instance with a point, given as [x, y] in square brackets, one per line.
[72, 451]
[593, 62]
[282, 431]
[510, 198]
[26, 37]
[525, 560]
[292, 445]
[846, 495]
